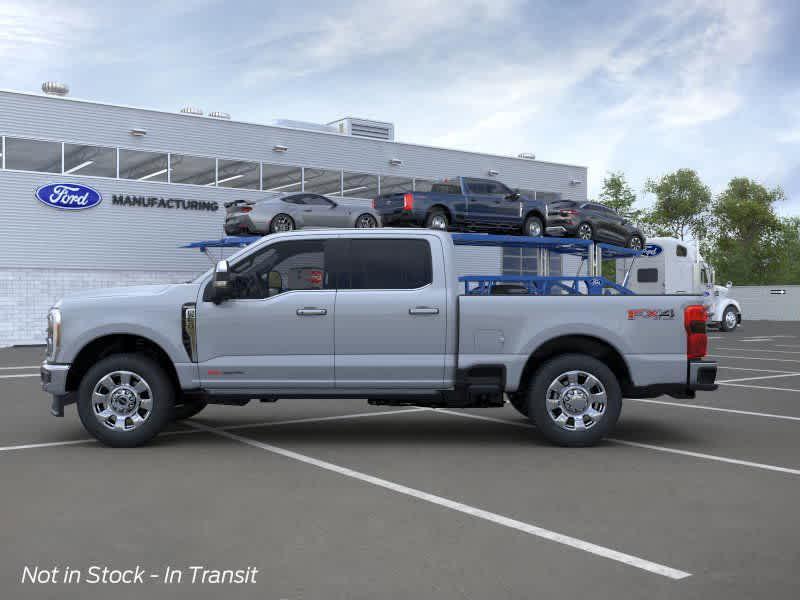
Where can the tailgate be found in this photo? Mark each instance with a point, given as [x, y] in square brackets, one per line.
[389, 202]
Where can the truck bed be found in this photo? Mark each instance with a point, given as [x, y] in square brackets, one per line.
[507, 329]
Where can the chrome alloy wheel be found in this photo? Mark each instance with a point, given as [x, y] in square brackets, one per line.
[122, 400]
[534, 228]
[576, 400]
[438, 222]
[585, 231]
[282, 223]
[730, 319]
[366, 222]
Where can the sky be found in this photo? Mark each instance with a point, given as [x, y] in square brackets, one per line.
[640, 87]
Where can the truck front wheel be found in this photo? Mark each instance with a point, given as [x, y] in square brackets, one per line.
[125, 400]
[729, 319]
[574, 400]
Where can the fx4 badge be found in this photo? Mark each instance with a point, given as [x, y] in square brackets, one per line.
[657, 314]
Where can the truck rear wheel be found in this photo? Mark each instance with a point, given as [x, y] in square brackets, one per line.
[125, 400]
[437, 219]
[574, 400]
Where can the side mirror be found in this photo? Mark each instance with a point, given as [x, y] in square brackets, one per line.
[221, 283]
[515, 195]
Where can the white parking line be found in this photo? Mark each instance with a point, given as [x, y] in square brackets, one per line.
[724, 459]
[760, 387]
[479, 513]
[13, 368]
[715, 408]
[749, 369]
[761, 377]
[758, 350]
[17, 376]
[791, 360]
[226, 428]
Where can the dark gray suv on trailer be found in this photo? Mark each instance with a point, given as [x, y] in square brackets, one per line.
[592, 221]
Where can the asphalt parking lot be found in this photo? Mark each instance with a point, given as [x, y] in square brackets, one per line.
[338, 499]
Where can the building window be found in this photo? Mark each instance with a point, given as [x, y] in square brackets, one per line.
[195, 170]
[280, 178]
[144, 166]
[96, 161]
[360, 185]
[396, 185]
[323, 181]
[33, 155]
[238, 174]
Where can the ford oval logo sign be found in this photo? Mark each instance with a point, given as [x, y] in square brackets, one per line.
[652, 250]
[68, 196]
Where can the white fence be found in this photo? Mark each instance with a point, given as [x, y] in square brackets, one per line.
[768, 302]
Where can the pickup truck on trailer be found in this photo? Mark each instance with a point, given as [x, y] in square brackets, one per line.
[377, 314]
[465, 203]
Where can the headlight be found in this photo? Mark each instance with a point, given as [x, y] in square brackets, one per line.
[53, 333]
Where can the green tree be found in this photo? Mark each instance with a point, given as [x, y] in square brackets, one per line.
[681, 207]
[618, 195]
[749, 243]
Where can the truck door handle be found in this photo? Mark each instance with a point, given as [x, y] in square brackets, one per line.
[311, 311]
[423, 310]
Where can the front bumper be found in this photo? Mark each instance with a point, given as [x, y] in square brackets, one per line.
[54, 382]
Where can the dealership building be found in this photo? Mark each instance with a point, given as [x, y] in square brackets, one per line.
[162, 178]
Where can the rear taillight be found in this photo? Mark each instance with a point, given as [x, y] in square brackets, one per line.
[408, 201]
[246, 209]
[694, 320]
[374, 203]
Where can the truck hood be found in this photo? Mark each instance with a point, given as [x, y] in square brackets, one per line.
[186, 292]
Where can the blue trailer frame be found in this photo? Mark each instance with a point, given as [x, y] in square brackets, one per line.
[536, 285]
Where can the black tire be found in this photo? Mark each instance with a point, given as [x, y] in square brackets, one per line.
[585, 227]
[533, 223]
[162, 398]
[362, 219]
[279, 219]
[436, 216]
[544, 418]
[187, 409]
[723, 325]
[520, 402]
[635, 242]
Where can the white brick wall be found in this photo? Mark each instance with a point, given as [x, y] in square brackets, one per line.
[27, 294]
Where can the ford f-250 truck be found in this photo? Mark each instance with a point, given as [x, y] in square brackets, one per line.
[465, 203]
[376, 314]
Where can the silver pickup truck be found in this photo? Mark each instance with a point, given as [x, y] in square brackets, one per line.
[376, 314]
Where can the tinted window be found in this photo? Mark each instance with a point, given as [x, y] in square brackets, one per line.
[360, 185]
[497, 188]
[295, 199]
[388, 265]
[477, 187]
[680, 251]
[279, 268]
[323, 181]
[280, 178]
[318, 201]
[445, 188]
[647, 275]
